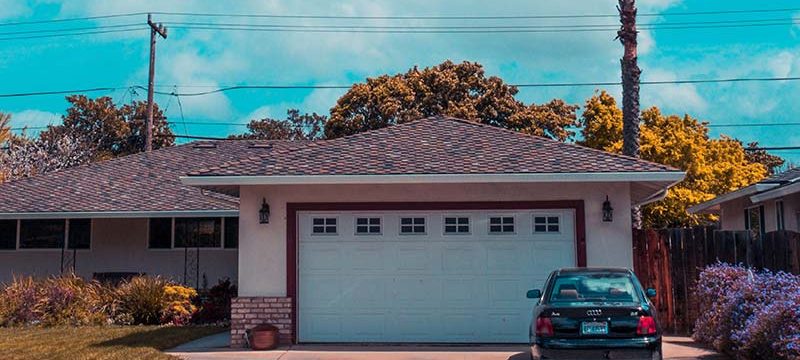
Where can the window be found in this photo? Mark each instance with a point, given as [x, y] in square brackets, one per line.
[412, 225]
[780, 223]
[501, 224]
[546, 224]
[198, 232]
[160, 233]
[754, 220]
[42, 233]
[80, 234]
[8, 234]
[231, 232]
[456, 225]
[366, 226]
[323, 226]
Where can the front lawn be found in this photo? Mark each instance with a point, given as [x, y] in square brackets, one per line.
[97, 342]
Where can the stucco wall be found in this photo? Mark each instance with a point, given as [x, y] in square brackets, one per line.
[119, 245]
[262, 255]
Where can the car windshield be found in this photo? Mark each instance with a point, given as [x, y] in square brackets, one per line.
[593, 287]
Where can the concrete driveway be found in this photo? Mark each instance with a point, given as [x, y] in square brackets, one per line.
[215, 348]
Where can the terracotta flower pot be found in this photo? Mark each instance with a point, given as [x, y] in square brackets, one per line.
[263, 337]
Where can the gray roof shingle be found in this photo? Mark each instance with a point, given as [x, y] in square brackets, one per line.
[139, 182]
[436, 145]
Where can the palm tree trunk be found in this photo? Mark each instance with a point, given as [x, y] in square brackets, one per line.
[630, 88]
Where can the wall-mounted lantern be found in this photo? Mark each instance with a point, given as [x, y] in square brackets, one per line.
[608, 211]
[263, 213]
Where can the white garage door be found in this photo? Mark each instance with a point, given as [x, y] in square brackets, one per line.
[426, 276]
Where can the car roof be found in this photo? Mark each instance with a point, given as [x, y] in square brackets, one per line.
[593, 270]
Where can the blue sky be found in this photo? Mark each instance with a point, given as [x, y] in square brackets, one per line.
[199, 59]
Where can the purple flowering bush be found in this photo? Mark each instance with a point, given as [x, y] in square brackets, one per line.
[752, 314]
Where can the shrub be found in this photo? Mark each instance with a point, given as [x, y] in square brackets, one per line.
[142, 300]
[18, 302]
[70, 300]
[178, 309]
[215, 304]
[755, 315]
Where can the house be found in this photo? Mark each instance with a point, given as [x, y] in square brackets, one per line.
[126, 216]
[768, 205]
[428, 231]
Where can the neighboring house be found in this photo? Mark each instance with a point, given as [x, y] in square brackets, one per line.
[428, 231]
[769, 205]
[125, 216]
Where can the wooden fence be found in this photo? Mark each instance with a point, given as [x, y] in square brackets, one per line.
[670, 261]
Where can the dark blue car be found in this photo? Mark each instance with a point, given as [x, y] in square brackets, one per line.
[594, 313]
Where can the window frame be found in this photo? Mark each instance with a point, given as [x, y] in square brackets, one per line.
[91, 235]
[747, 223]
[457, 225]
[502, 224]
[413, 225]
[368, 225]
[172, 234]
[325, 225]
[39, 249]
[16, 236]
[546, 224]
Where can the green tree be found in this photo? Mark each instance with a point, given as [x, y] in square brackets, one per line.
[771, 162]
[457, 90]
[296, 126]
[713, 166]
[110, 131]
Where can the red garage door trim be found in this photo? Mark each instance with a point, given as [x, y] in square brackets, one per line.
[293, 208]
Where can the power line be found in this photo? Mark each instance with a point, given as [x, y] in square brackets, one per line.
[755, 125]
[71, 34]
[72, 19]
[400, 17]
[74, 29]
[307, 87]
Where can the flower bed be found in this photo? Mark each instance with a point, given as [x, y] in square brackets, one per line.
[71, 300]
[749, 314]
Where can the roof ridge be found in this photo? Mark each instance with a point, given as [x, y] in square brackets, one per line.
[547, 139]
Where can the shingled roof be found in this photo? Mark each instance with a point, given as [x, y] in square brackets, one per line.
[436, 145]
[144, 182]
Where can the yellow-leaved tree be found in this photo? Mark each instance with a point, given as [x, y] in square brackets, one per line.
[5, 134]
[713, 166]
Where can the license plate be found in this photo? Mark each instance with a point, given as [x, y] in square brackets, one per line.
[594, 328]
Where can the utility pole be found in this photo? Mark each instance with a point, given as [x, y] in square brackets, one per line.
[630, 78]
[630, 89]
[155, 29]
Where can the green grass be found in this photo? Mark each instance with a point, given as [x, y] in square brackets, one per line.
[97, 342]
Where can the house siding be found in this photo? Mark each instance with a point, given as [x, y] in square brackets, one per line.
[119, 245]
[732, 213]
[262, 259]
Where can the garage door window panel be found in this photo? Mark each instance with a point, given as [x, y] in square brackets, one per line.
[368, 225]
[456, 225]
[324, 226]
[504, 224]
[546, 224]
[413, 225]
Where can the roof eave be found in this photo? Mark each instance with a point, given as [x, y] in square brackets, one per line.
[660, 176]
[713, 204]
[116, 214]
[777, 192]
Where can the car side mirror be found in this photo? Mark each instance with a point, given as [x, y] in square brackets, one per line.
[651, 293]
[534, 294]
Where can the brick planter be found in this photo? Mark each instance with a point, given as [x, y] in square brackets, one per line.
[248, 312]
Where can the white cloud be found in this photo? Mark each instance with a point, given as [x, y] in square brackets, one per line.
[680, 96]
[781, 64]
[33, 119]
[10, 9]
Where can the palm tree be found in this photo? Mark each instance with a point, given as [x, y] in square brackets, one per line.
[5, 129]
[630, 78]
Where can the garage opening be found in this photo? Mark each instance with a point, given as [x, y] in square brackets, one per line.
[426, 276]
